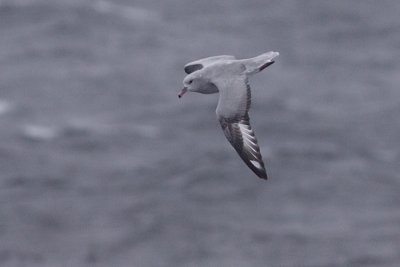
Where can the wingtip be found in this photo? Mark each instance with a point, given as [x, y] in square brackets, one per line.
[192, 67]
[259, 171]
[262, 175]
[266, 65]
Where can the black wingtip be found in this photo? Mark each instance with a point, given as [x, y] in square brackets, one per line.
[262, 175]
[192, 68]
[266, 65]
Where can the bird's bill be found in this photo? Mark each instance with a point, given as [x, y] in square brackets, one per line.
[183, 91]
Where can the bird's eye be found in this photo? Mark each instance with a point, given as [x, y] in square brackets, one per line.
[190, 82]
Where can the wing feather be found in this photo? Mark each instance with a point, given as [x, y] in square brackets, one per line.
[202, 63]
[239, 133]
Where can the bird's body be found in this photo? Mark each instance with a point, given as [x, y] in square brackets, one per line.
[229, 77]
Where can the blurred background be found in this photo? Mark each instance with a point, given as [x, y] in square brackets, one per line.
[102, 165]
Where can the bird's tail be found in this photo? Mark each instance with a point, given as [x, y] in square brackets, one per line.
[258, 63]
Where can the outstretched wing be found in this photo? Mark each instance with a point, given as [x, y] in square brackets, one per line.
[233, 115]
[258, 63]
[201, 63]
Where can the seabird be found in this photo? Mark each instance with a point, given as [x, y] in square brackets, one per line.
[228, 76]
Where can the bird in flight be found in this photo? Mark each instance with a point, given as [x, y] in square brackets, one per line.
[228, 76]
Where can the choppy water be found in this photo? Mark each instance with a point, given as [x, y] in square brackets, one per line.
[102, 165]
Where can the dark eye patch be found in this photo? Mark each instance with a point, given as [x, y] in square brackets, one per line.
[191, 68]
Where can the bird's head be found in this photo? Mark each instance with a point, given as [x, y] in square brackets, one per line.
[194, 82]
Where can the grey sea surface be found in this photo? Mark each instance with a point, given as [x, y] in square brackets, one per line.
[102, 165]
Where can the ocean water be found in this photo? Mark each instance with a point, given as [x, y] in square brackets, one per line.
[102, 165]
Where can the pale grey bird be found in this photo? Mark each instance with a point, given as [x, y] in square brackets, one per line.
[229, 77]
